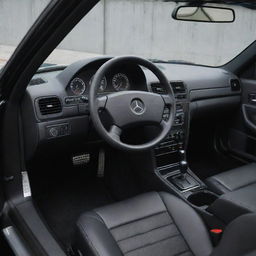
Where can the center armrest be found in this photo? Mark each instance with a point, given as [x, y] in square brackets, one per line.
[234, 204]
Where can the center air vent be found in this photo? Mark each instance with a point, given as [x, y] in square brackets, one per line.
[49, 106]
[178, 87]
[158, 88]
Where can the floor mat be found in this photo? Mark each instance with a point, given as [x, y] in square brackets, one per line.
[63, 203]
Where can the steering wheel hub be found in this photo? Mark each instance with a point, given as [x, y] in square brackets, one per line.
[137, 106]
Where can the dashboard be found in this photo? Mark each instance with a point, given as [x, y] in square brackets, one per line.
[55, 110]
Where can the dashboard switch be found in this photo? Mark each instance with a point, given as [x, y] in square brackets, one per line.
[53, 132]
[59, 130]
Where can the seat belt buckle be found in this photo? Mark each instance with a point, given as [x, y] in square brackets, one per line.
[216, 234]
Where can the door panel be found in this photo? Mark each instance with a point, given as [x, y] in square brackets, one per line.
[242, 132]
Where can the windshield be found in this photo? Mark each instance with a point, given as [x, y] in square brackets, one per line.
[144, 28]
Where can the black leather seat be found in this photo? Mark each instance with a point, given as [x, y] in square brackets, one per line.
[158, 224]
[150, 224]
[233, 180]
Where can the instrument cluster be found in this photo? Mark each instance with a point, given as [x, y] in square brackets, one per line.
[80, 84]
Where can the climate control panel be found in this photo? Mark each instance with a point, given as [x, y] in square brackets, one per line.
[176, 140]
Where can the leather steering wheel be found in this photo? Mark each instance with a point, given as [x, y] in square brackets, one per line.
[132, 107]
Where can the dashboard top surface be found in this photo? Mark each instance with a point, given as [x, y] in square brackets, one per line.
[75, 81]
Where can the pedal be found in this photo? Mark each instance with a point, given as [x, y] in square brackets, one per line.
[101, 163]
[81, 159]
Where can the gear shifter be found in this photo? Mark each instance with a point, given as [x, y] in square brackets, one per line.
[183, 163]
[183, 180]
[183, 167]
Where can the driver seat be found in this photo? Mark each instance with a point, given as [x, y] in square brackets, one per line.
[157, 224]
[150, 224]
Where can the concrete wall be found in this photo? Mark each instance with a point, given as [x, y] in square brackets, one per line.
[141, 27]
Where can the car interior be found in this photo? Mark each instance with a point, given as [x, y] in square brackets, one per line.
[121, 155]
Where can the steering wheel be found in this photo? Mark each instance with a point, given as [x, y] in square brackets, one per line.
[132, 107]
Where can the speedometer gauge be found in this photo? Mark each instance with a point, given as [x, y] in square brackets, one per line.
[77, 86]
[120, 82]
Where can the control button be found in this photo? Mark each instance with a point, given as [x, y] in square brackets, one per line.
[84, 99]
[58, 130]
[70, 100]
[76, 100]
[166, 114]
[53, 132]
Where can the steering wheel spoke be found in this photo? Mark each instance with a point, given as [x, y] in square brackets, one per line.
[168, 100]
[115, 132]
[163, 124]
[101, 102]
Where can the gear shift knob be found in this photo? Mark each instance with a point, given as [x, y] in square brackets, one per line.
[183, 162]
[183, 167]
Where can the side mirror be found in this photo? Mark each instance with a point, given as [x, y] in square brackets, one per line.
[204, 14]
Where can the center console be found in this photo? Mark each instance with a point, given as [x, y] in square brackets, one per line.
[170, 155]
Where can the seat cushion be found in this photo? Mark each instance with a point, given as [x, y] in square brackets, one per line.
[150, 224]
[233, 179]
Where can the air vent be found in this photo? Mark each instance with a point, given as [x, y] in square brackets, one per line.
[157, 88]
[235, 85]
[36, 81]
[178, 87]
[49, 106]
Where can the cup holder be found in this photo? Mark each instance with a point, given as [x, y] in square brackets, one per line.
[202, 198]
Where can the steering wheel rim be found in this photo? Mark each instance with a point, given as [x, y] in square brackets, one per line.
[119, 101]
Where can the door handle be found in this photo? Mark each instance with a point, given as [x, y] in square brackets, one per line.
[246, 109]
[252, 98]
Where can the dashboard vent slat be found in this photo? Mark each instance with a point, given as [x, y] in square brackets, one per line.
[158, 88]
[178, 87]
[49, 106]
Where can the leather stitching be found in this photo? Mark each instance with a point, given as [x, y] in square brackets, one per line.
[142, 233]
[149, 244]
[142, 218]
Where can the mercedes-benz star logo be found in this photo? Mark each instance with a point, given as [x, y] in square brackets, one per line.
[137, 106]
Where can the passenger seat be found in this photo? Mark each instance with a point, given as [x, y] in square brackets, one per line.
[232, 180]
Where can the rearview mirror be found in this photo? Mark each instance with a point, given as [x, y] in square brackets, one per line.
[204, 14]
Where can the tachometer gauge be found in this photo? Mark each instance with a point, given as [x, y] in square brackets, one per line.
[103, 84]
[120, 82]
[77, 86]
